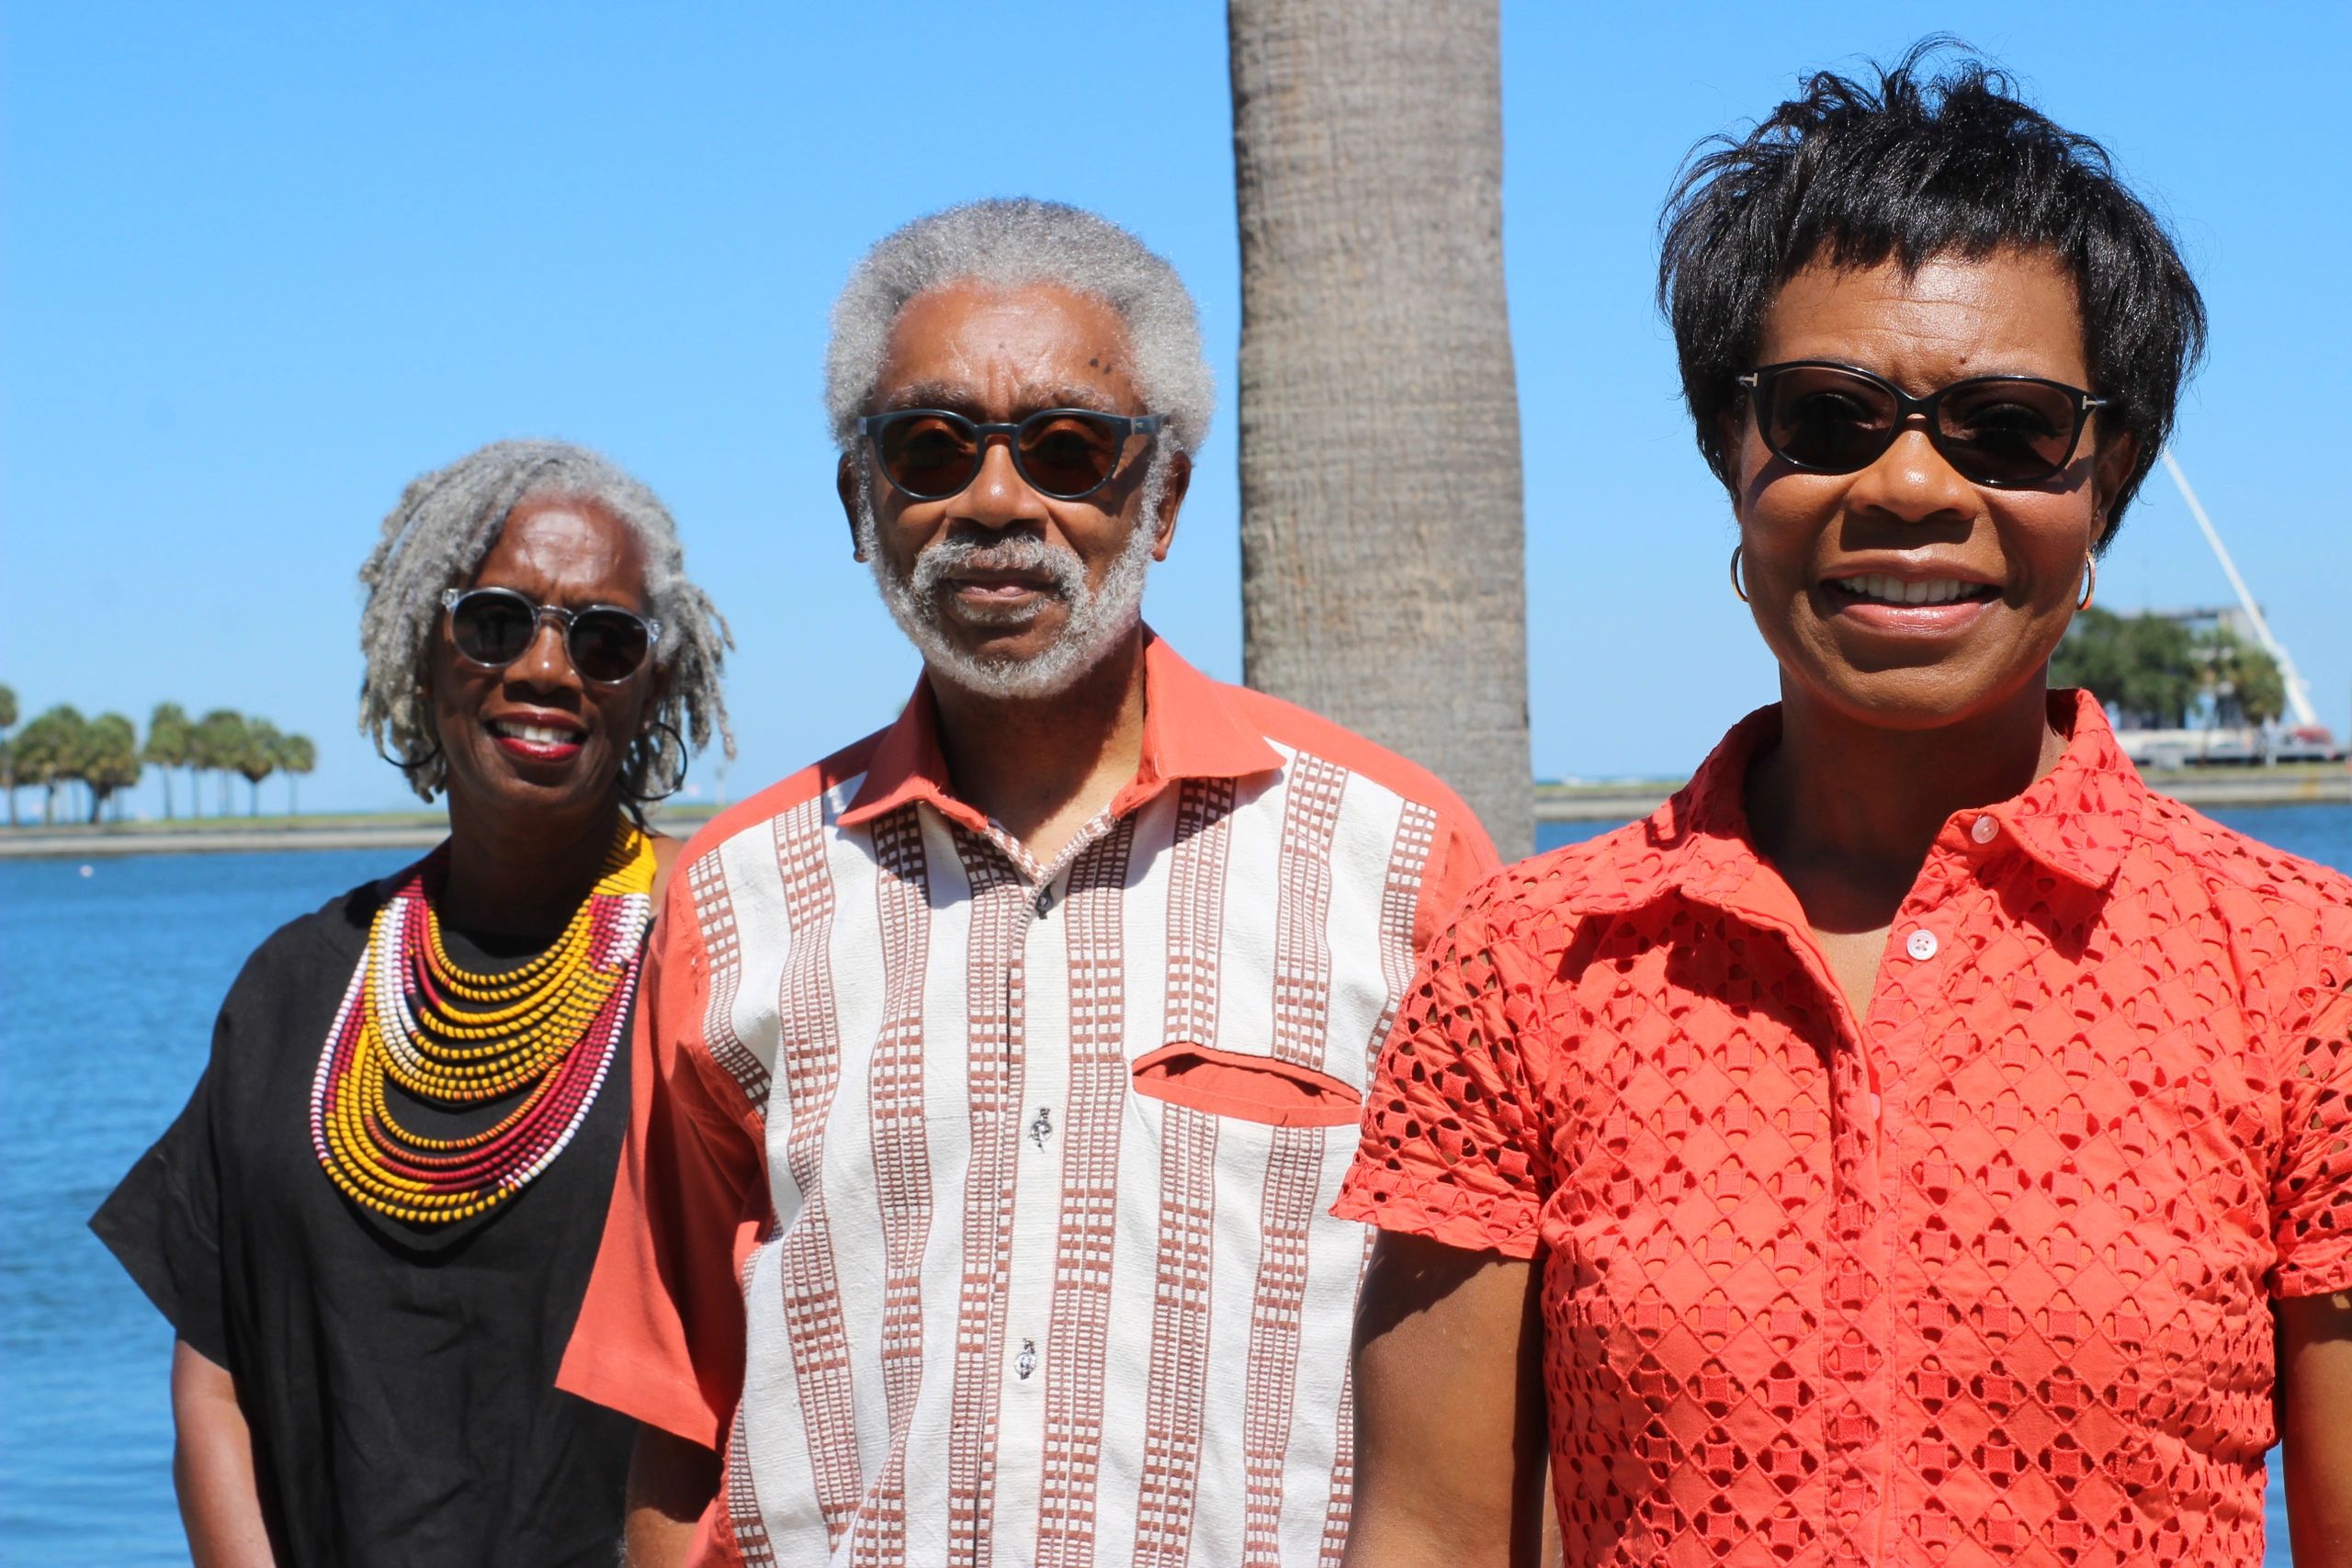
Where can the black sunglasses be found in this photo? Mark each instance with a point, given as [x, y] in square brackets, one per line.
[491, 627]
[931, 454]
[2001, 431]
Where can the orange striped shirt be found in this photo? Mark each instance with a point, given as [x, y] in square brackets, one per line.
[978, 1209]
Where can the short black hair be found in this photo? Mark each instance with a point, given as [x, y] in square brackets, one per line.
[1924, 166]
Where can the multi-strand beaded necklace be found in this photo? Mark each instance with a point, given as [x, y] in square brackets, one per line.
[453, 1039]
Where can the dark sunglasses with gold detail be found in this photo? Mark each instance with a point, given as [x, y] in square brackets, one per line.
[2006, 432]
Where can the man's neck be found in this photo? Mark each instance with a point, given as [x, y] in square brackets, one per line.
[1044, 767]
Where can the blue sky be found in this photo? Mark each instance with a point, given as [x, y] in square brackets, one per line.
[259, 264]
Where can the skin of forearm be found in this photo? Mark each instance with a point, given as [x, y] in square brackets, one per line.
[212, 1467]
[2314, 1402]
[671, 1482]
[1450, 1470]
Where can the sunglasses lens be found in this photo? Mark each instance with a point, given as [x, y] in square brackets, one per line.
[606, 645]
[1818, 417]
[928, 456]
[493, 629]
[1069, 455]
[2001, 432]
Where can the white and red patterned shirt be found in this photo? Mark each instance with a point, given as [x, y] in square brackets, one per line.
[979, 1210]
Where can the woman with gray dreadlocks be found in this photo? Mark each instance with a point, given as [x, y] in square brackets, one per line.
[372, 1225]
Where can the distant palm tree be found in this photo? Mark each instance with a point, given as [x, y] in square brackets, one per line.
[7, 755]
[49, 752]
[259, 758]
[296, 756]
[109, 761]
[170, 737]
[1383, 563]
[220, 746]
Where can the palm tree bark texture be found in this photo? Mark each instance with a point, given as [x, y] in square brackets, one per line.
[1383, 558]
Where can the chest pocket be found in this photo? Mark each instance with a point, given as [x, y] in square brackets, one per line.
[1263, 1089]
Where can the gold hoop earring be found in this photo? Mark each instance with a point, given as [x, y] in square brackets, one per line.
[2090, 583]
[1736, 586]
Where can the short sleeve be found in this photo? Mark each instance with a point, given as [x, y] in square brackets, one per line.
[162, 1222]
[1452, 1128]
[660, 1335]
[2310, 1197]
[1461, 857]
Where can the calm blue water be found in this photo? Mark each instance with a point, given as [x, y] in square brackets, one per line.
[108, 987]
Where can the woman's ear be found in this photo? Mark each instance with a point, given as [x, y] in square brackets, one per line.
[2110, 471]
[1731, 428]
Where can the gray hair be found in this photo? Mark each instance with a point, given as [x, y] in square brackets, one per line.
[1012, 242]
[446, 522]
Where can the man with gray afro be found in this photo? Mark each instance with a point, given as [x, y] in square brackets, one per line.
[1005, 1064]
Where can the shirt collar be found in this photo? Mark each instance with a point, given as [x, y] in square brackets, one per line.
[1189, 731]
[2078, 821]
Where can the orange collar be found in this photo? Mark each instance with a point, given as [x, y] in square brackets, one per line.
[2076, 821]
[1189, 731]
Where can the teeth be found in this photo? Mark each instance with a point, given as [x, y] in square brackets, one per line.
[536, 734]
[1888, 589]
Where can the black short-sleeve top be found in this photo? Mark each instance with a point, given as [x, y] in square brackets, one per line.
[399, 1380]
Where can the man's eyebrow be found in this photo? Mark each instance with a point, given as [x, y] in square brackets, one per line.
[958, 399]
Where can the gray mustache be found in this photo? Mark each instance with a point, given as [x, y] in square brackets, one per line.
[944, 559]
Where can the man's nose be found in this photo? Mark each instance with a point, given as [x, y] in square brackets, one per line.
[997, 496]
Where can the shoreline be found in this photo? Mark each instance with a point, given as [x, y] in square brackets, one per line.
[220, 835]
[2292, 783]
[2311, 784]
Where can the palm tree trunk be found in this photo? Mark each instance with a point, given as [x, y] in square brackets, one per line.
[165, 774]
[1382, 570]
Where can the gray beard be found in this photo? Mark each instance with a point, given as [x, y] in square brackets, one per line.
[1100, 619]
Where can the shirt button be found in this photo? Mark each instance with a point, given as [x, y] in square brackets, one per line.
[1920, 944]
[1878, 1107]
[1985, 830]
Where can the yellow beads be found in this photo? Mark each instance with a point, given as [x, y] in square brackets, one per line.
[462, 1057]
[451, 1037]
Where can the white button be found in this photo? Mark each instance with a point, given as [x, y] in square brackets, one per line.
[1985, 830]
[1878, 1107]
[1920, 944]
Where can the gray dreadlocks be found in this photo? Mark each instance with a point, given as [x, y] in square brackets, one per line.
[446, 522]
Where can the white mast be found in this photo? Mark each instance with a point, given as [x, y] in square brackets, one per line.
[2299, 695]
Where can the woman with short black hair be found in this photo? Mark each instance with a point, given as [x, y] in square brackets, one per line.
[1895, 1148]
[372, 1226]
